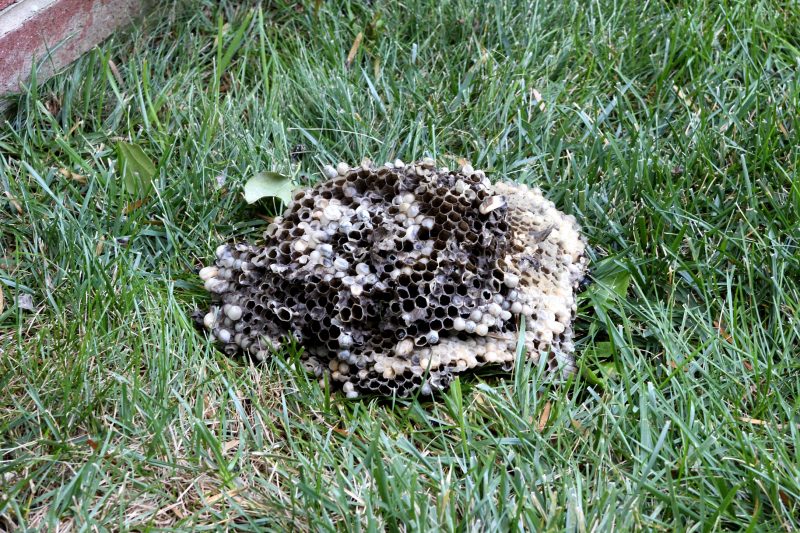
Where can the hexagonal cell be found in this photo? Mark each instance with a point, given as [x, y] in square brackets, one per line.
[440, 260]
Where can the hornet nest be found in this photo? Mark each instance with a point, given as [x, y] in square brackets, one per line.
[397, 278]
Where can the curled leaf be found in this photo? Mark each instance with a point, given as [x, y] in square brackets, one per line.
[265, 184]
[136, 169]
[608, 288]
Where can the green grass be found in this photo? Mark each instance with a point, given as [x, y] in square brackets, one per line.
[671, 129]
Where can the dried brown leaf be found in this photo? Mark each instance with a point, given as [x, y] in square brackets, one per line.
[14, 202]
[754, 421]
[544, 417]
[225, 83]
[722, 332]
[133, 206]
[759, 422]
[342, 432]
[217, 497]
[53, 104]
[351, 55]
[579, 427]
[115, 72]
[74, 127]
[74, 176]
[673, 365]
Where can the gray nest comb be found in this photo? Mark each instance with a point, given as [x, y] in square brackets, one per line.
[397, 278]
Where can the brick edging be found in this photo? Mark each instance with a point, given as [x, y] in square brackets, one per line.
[54, 33]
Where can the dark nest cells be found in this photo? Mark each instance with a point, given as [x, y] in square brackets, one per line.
[397, 278]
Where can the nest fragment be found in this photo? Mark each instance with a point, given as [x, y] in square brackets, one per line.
[397, 278]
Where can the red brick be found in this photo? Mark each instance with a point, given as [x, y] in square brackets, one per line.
[53, 33]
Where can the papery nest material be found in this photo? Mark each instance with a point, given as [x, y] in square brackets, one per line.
[396, 278]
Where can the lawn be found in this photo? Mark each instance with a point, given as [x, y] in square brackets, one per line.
[670, 129]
